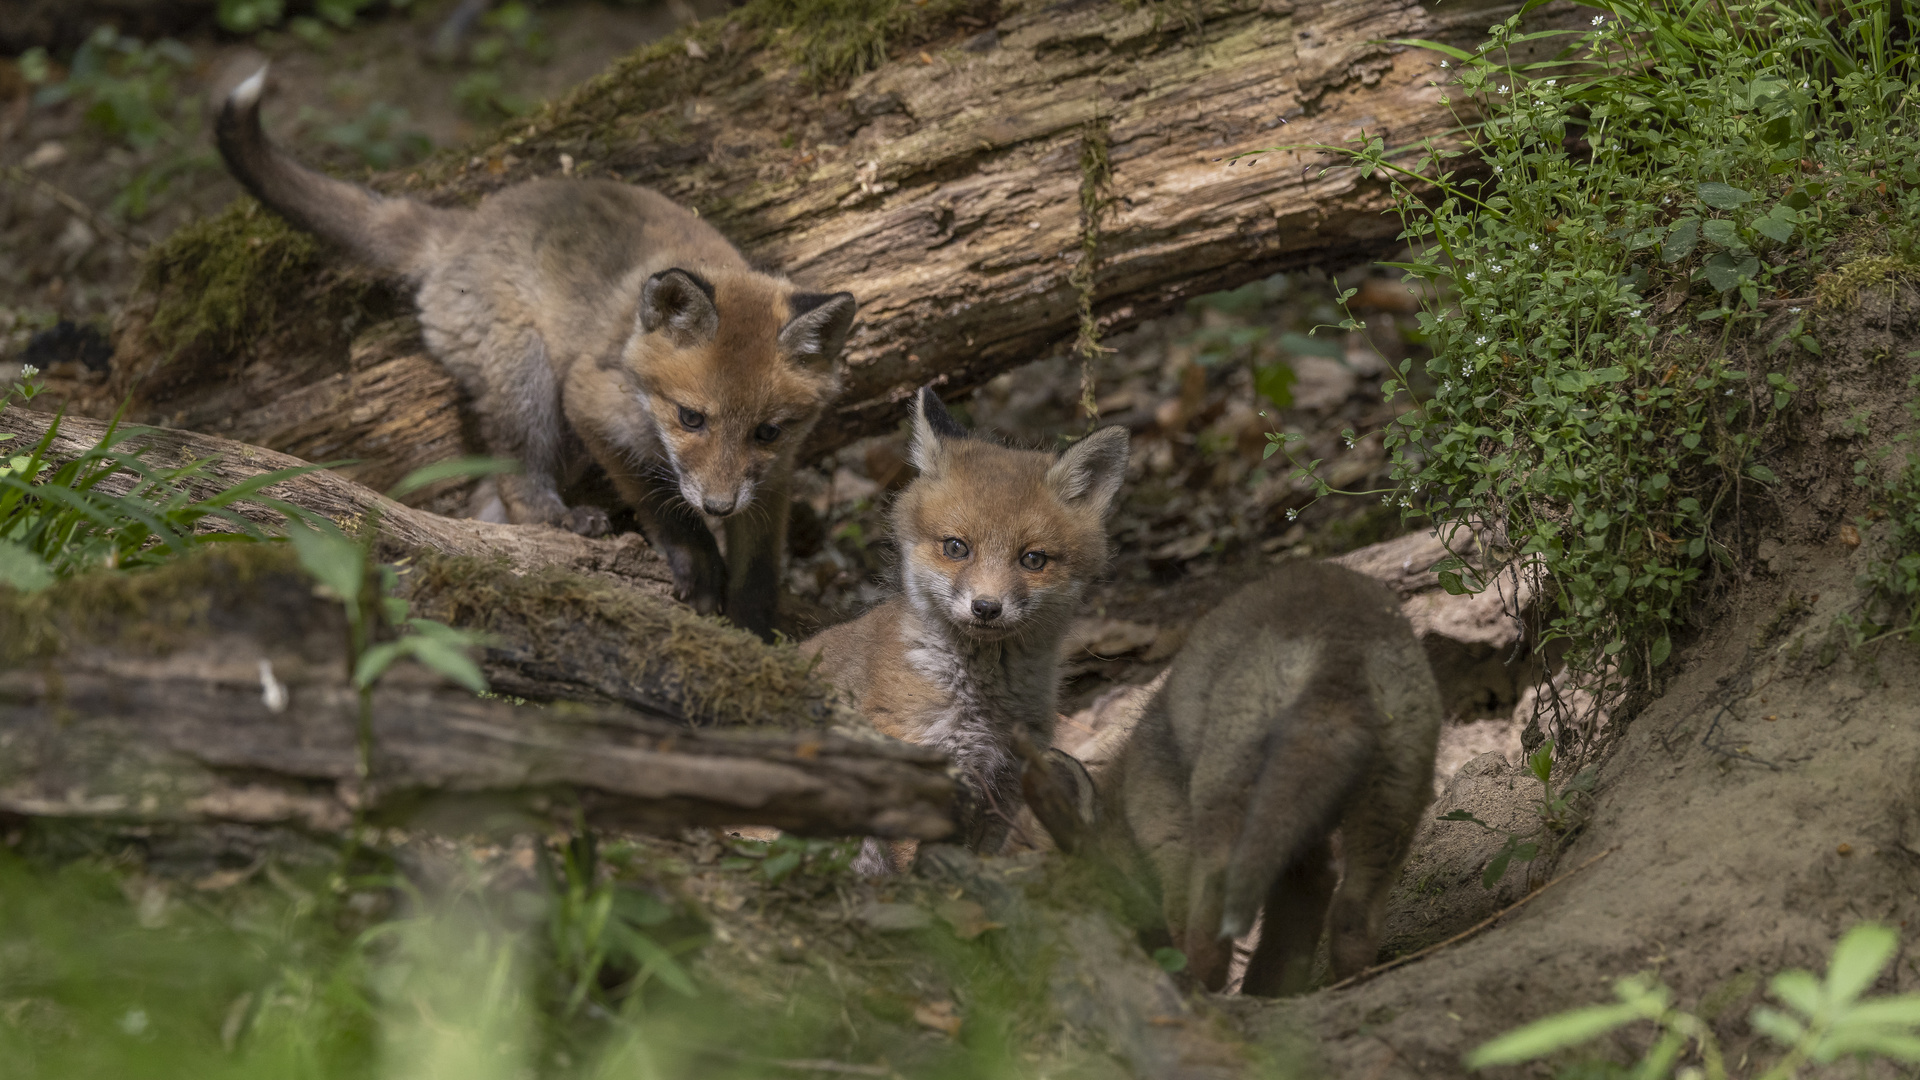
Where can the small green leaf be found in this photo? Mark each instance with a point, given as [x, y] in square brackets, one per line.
[459, 468]
[1496, 868]
[1170, 960]
[1774, 228]
[777, 867]
[1451, 582]
[332, 559]
[1662, 649]
[1857, 961]
[1762, 474]
[1556, 1032]
[448, 660]
[1777, 1025]
[1723, 196]
[1722, 232]
[1799, 989]
[22, 569]
[375, 662]
[1275, 383]
[1682, 238]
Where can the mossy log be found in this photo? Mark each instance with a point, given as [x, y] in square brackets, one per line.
[1005, 164]
[402, 530]
[216, 689]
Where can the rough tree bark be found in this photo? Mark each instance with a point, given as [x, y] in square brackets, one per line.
[216, 689]
[955, 190]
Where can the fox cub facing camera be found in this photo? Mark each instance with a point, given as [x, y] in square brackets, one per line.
[600, 311]
[1302, 704]
[996, 548]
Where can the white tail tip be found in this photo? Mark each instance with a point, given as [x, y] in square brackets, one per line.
[247, 94]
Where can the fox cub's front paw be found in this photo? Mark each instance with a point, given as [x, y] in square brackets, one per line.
[699, 579]
[586, 520]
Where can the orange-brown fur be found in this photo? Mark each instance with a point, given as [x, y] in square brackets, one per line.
[926, 665]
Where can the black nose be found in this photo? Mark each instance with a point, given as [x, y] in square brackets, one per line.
[716, 508]
[986, 608]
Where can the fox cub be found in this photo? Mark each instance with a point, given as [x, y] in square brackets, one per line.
[1302, 704]
[600, 310]
[996, 547]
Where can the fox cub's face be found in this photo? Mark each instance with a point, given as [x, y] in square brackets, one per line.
[733, 373]
[995, 541]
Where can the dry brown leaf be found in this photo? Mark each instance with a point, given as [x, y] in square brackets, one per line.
[1849, 535]
[938, 1015]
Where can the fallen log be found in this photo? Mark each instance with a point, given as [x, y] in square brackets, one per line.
[402, 529]
[216, 689]
[1008, 164]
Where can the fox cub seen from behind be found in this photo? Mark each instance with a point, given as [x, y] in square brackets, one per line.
[602, 311]
[1302, 704]
[996, 548]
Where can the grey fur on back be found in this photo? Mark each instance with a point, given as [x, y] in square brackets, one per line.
[1301, 704]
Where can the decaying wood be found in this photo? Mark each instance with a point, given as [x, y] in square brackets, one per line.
[216, 689]
[402, 529]
[944, 189]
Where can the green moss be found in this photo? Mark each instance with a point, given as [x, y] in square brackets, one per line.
[219, 280]
[701, 669]
[835, 40]
[151, 611]
[1840, 290]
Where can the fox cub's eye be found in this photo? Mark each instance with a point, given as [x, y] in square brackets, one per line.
[956, 549]
[766, 433]
[1034, 560]
[691, 420]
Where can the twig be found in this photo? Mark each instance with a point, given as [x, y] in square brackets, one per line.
[99, 224]
[1472, 930]
[1723, 749]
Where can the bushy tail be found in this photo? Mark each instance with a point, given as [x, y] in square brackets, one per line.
[1312, 765]
[392, 234]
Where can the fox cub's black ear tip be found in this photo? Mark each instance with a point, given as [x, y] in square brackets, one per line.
[942, 423]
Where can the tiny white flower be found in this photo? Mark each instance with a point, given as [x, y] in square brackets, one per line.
[1387, 498]
[1665, 199]
[1291, 514]
[1497, 170]
[1729, 392]
[1503, 89]
[1405, 503]
[28, 371]
[1598, 19]
[1473, 275]
[1481, 340]
[1793, 311]
[1446, 387]
[273, 692]
[1533, 247]
[1498, 269]
[1443, 63]
[1348, 439]
[1466, 371]
[1553, 82]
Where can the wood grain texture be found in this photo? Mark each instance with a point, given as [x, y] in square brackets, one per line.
[141, 697]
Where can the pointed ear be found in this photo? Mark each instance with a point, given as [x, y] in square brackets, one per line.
[1090, 472]
[818, 328]
[932, 425]
[681, 303]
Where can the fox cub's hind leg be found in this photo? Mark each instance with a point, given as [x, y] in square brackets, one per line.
[1290, 925]
[1377, 834]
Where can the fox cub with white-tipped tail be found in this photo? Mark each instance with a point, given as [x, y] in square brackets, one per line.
[600, 310]
[1302, 704]
[996, 548]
